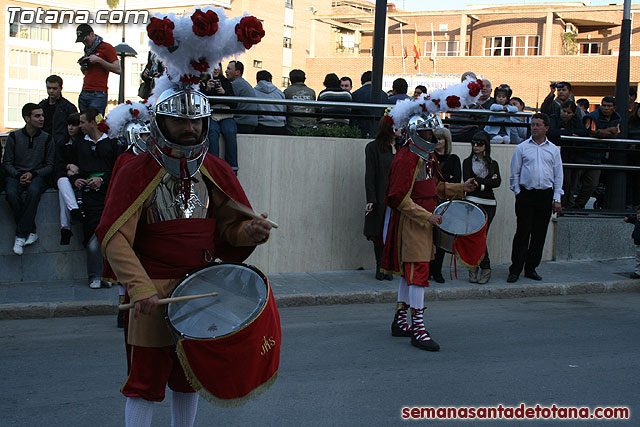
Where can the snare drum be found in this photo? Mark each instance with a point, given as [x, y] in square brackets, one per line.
[461, 218]
[228, 345]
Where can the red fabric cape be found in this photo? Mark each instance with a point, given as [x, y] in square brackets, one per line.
[136, 179]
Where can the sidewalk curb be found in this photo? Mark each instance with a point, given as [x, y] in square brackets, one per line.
[99, 308]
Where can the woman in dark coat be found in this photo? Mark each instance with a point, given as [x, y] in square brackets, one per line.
[480, 166]
[451, 172]
[379, 155]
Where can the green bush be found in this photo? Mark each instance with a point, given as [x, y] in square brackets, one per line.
[331, 131]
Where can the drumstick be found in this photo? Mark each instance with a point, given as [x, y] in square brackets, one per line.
[247, 211]
[446, 207]
[165, 301]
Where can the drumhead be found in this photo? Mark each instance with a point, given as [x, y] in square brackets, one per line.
[242, 294]
[461, 217]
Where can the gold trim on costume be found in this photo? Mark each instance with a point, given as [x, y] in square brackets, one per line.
[142, 289]
[131, 209]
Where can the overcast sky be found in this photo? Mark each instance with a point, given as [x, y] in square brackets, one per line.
[428, 5]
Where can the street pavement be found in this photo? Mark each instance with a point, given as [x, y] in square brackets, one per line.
[64, 299]
[341, 367]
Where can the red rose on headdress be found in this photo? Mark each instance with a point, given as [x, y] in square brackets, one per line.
[160, 31]
[453, 101]
[204, 24]
[201, 66]
[475, 87]
[424, 108]
[128, 101]
[135, 112]
[388, 119]
[103, 127]
[436, 101]
[249, 31]
[188, 78]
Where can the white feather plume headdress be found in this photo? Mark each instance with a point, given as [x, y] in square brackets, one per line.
[439, 101]
[192, 44]
[125, 113]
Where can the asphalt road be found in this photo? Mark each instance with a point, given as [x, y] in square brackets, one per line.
[341, 367]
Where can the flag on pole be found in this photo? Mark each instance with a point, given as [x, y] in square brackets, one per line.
[416, 48]
[405, 55]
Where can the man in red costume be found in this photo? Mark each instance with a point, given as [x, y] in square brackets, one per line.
[415, 182]
[166, 215]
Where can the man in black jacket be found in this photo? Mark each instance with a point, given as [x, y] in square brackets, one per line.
[56, 109]
[95, 156]
[28, 160]
[368, 127]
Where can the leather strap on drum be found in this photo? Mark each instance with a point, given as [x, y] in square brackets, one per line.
[170, 249]
[234, 369]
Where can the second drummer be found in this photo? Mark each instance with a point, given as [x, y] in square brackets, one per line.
[415, 182]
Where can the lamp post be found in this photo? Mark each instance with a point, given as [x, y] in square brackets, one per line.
[123, 50]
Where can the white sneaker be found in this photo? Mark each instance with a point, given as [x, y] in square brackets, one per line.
[95, 284]
[33, 237]
[18, 246]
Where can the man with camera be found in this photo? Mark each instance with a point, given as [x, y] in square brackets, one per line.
[98, 61]
[552, 104]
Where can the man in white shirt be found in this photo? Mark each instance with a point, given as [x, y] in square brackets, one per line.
[536, 180]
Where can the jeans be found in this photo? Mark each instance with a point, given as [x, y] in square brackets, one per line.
[228, 129]
[25, 211]
[97, 100]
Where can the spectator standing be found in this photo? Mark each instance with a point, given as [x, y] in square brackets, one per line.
[567, 123]
[634, 115]
[486, 172]
[98, 61]
[635, 220]
[464, 132]
[486, 100]
[368, 127]
[334, 93]
[269, 124]
[300, 92]
[518, 133]
[56, 110]
[246, 123]
[95, 157]
[64, 168]
[451, 172]
[419, 90]
[378, 157]
[536, 180]
[499, 133]
[603, 123]
[551, 106]
[633, 178]
[399, 89]
[346, 83]
[28, 160]
[583, 103]
[221, 123]
[152, 70]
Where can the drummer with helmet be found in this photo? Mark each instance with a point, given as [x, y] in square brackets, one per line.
[415, 183]
[168, 212]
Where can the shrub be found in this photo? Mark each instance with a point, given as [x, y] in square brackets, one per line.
[331, 131]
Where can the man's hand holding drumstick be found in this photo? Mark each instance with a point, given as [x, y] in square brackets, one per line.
[469, 186]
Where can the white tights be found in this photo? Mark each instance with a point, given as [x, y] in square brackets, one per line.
[412, 294]
[139, 412]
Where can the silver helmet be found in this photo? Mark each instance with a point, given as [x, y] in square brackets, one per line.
[417, 144]
[188, 104]
[135, 136]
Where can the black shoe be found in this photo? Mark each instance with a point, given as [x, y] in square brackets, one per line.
[429, 345]
[397, 331]
[120, 319]
[388, 277]
[65, 236]
[76, 214]
[437, 276]
[379, 275]
[532, 275]
[512, 278]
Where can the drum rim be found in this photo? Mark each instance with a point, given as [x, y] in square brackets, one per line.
[214, 264]
[462, 201]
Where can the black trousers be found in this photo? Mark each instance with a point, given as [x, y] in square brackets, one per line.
[533, 211]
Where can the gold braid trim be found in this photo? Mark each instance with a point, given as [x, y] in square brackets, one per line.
[142, 289]
[134, 207]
